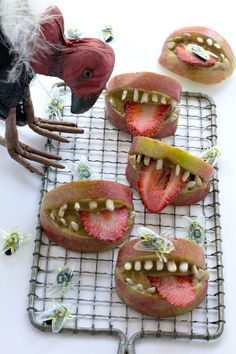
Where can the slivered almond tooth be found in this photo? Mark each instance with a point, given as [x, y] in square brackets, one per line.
[52, 215]
[74, 226]
[194, 270]
[191, 184]
[185, 176]
[171, 45]
[186, 36]
[77, 206]
[159, 265]
[144, 98]
[112, 101]
[93, 204]
[137, 266]
[110, 205]
[128, 266]
[200, 40]
[146, 160]
[151, 290]
[135, 96]
[222, 56]
[129, 281]
[171, 266]
[163, 100]
[200, 274]
[62, 210]
[139, 158]
[198, 181]
[63, 221]
[209, 41]
[124, 94]
[154, 98]
[139, 287]
[177, 170]
[159, 164]
[217, 45]
[132, 215]
[183, 267]
[148, 265]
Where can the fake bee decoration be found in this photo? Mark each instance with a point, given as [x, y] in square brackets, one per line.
[154, 242]
[56, 317]
[12, 241]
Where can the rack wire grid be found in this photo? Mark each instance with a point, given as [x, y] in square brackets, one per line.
[93, 298]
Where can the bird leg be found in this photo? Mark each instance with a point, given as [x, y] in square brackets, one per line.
[46, 127]
[21, 152]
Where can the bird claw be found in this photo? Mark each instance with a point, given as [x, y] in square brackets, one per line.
[22, 153]
[47, 128]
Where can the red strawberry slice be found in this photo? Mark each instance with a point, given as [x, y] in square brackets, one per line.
[146, 119]
[105, 225]
[157, 188]
[184, 54]
[178, 290]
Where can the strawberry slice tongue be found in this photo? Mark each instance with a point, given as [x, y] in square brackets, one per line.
[196, 58]
[105, 225]
[178, 290]
[158, 188]
[146, 119]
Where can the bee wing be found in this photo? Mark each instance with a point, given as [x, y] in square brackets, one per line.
[46, 315]
[5, 246]
[58, 322]
[140, 246]
[144, 231]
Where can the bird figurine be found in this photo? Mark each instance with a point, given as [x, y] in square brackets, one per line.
[32, 41]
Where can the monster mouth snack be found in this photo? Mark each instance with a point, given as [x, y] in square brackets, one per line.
[89, 216]
[143, 103]
[161, 276]
[164, 174]
[199, 54]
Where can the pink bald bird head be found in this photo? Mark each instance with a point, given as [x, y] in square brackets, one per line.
[84, 64]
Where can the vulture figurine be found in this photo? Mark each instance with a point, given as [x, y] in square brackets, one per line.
[32, 41]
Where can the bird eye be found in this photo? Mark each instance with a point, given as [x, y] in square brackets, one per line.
[87, 74]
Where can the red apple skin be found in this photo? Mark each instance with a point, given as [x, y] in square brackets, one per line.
[69, 240]
[120, 122]
[73, 192]
[146, 81]
[155, 305]
[170, 61]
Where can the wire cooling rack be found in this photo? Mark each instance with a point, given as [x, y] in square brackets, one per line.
[93, 297]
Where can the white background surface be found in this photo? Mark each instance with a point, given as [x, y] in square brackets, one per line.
[140, 29]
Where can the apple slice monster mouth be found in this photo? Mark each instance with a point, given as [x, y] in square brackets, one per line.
[165, 175]
[88, 215]
[165, 283]
[199, 54]
[143, 103]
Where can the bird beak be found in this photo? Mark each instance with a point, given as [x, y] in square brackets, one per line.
[81, 105]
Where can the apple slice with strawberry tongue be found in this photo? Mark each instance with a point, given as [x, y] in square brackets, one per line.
[164, 174]
[143, 103]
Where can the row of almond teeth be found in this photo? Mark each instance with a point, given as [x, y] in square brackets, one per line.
[92, 205]
[54, 215]
[200, 40]
[160, 265]
[144, 97]
[159, 165]
[140, 287]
